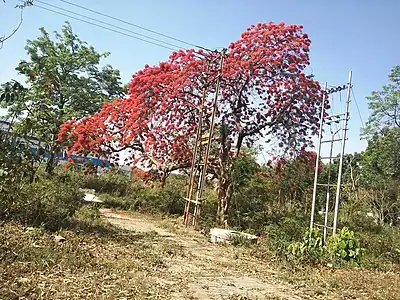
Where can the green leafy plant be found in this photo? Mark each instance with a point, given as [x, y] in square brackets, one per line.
[345, 245]
[311, 246]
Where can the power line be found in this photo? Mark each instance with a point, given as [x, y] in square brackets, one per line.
[358, 109]
[104, 27]
[106, 23]
[135, 25]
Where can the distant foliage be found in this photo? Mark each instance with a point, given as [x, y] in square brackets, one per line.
[113, 182]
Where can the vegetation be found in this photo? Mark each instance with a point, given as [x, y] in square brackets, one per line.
[158, 122]
[64, 82]
[385, 105]
[54, 245]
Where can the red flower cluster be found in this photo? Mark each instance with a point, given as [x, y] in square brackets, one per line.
[263, 87]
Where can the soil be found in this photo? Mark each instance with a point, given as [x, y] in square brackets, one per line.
[207, 271]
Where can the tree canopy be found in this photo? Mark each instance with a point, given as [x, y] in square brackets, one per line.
[385, 105]
[265, 92]
[64, 82]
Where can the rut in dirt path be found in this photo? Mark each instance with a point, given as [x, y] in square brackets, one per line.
[208, 271]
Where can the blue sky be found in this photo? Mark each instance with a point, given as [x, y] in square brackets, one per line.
[361, 36]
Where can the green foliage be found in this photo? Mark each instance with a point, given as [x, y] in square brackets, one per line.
[46, 203]
[117, 202]
[121, 194]
[381, 159]
[65, 82]
[89, 212]
[69, 176]
[243, 167]
[382, 247]
[251, 204]
[158, 199]
[114, 182]
[284, 230]
[385, 105]
[16, 170]
[345, 245]
[354, 216]
[239, 240]
[381, 174]
[310, 248]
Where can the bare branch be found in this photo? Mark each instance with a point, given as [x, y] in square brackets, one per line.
[21, 6]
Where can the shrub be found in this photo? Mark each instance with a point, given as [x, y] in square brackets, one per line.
[46, 203]
[88, 212]
[157, 199]
[112, 182]
[383, 247]
[310, 248]
[166, 199]
[69, 176]
[345, 245]
[282, 231]
[115, 202]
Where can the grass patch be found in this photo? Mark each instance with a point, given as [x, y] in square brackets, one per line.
[94, 261]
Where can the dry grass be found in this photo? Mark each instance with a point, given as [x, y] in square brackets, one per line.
[112, 264]
[104, 262]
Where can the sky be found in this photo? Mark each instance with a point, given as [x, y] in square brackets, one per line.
[359, 35]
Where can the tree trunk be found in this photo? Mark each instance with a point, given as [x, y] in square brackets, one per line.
[225, 192]
[50, 163]
[163, 179]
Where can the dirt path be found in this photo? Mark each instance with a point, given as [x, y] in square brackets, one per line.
[206, 270]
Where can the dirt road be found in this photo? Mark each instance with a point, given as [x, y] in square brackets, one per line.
[207, 271]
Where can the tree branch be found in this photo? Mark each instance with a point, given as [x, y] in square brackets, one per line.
[22, 6]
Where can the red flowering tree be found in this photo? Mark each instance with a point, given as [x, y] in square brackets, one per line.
[265, 93]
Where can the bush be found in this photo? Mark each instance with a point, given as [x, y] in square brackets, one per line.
[311, 248]
[88, 212]
[155, 199]
[113, 182]
[46, 203]
[341, 246]
[167, 199]
[345, 245]
[122, 203]
[69, 176]
[282, 231]
[383, 247]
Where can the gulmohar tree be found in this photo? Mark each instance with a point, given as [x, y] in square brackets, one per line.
[265, 93]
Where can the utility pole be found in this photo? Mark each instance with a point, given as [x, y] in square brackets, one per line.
[339, 181]
[194, 165]
[203, 163]
[325, 120]
[321, 127]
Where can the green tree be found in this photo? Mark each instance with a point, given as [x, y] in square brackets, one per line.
[381, 174]
[64, 82]
[385, 105]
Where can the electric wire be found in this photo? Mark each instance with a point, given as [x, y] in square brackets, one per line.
[134, 25]
[104, 27]
[358, 109]
[108, 24]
